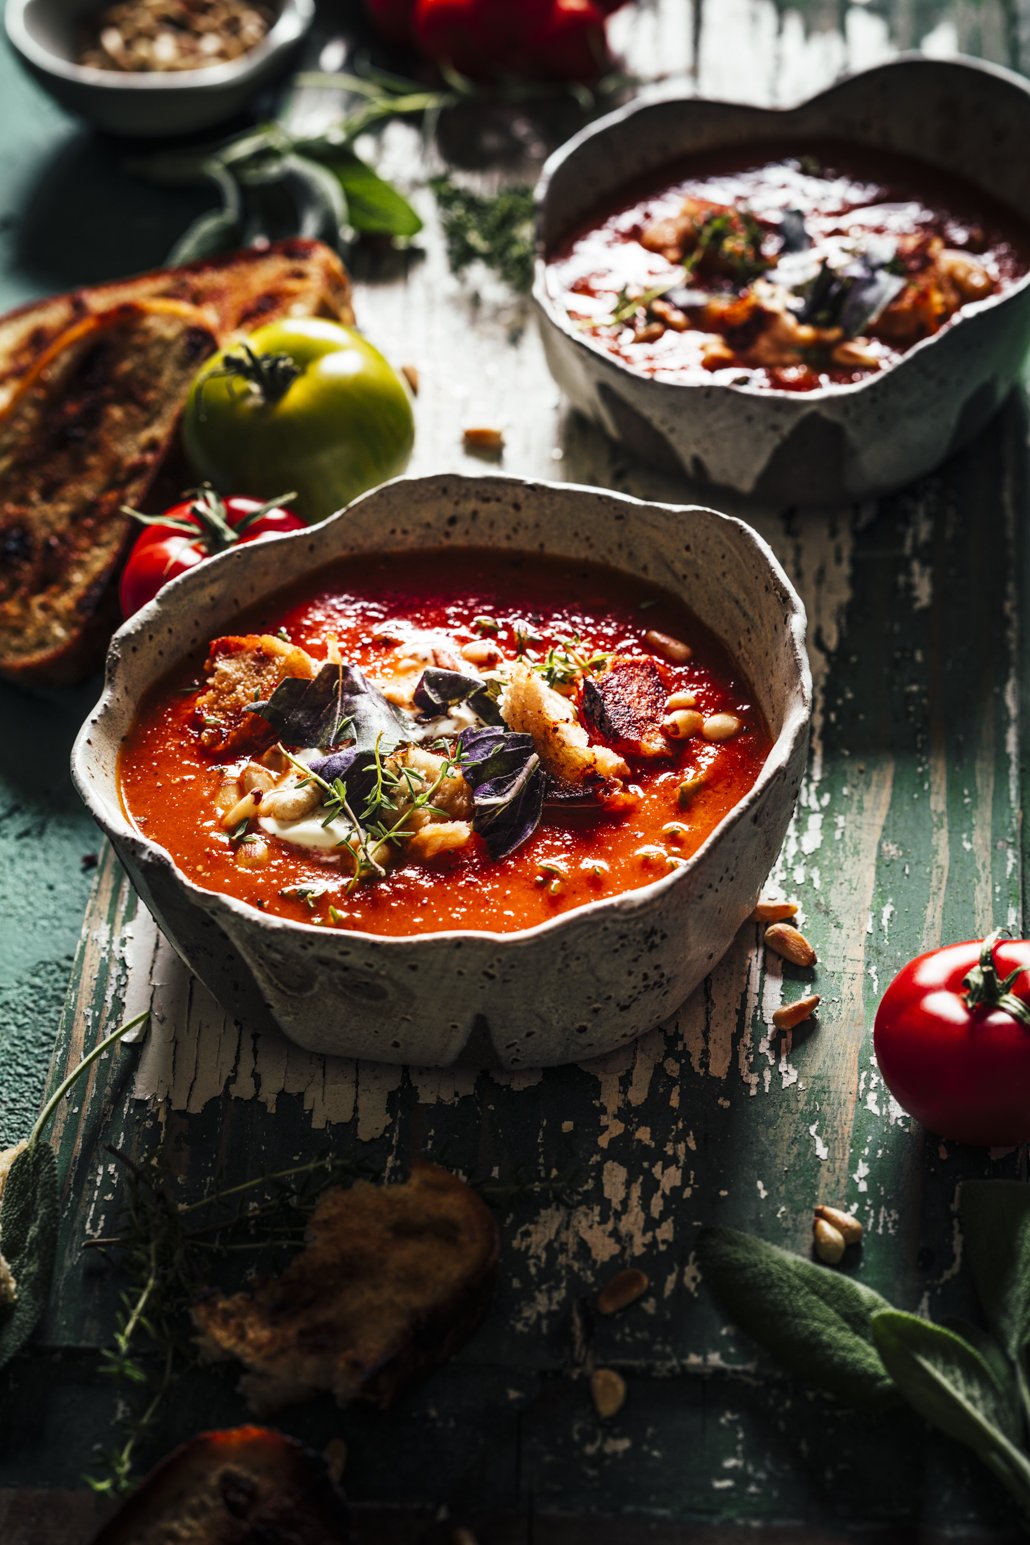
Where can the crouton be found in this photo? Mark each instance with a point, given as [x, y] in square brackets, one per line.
[240, 671]
[626, 706]
[392, 1281]
[531, 707]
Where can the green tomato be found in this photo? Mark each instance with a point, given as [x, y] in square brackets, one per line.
[306, 405]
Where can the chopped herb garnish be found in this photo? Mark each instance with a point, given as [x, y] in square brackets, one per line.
[566, 662]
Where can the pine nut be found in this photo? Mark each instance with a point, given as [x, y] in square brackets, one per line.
[774, 911]
[622, 1290]
[411, 375]
[682, 723]
[680, 700]
[228, 795]
[721, 726]
[480, 652]
[608, 1392]
[479, 437]
[786, 940]
[792, 1014]
[244, 809]
[254, 776]
[846, 1224]
[827, 1241]
[672, 649]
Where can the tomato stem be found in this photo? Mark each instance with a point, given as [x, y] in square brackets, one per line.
[269, 375]
[986, 990]
[208, 522]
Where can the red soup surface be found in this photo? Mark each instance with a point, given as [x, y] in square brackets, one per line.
[568, 631]
[792, 268]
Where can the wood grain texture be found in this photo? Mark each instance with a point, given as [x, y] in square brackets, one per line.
[908, 831]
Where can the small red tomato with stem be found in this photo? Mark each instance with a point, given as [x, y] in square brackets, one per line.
[191, 531]
[952, 1039]
[567, 41]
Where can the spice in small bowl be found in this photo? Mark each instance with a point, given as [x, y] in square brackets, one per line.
[170, 35]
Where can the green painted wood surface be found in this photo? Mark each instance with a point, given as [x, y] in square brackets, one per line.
[908, 832]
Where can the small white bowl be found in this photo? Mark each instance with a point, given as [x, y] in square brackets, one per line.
[44, 35]
[578, 985]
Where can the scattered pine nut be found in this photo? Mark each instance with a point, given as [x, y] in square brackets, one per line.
[846, 1224]
[622, 1290]
[680, 700]
[672, 649]
[411, 375]
[481, 438]
[720, 726]
[682, 723]
[254, 776]
[827, 1241]
[792, 1014]
[786, 940]
[774, 911]
[252, 853]
[608, 1391]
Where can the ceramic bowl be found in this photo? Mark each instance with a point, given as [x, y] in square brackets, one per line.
[44, 35]
[968, 118]
[566, 989]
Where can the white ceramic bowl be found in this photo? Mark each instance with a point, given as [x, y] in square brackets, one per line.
[572, 987]
[44, 34]
[966, 117]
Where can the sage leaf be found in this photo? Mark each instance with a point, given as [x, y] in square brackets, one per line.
[946, 1380]
[817, 1323]
[995, 1218]
[28, 1239]
[374, 206]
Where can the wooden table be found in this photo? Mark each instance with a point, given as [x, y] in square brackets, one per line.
[908, 832]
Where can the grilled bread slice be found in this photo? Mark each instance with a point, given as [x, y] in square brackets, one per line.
[85, 433]
[242, 291]
[392, 1281]
[241, 1486]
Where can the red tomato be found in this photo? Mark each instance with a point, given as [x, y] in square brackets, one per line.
[191, 531]
[568, 42]
[952, 1040]
[540, 39]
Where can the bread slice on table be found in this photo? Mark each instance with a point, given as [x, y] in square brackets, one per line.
[92, 385]
[391, 1283]
[242, 291]
[242, 1486]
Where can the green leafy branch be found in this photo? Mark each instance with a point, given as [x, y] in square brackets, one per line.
[969, 1382]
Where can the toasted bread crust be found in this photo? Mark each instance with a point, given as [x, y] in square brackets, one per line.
[393, 1280]
[235, 1487]
[92, 385]
[244, 669]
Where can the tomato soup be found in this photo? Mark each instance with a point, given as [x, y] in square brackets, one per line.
[445, 740]
[793, 269]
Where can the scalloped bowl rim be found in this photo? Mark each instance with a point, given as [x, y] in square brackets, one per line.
[795, 726]
[295, 16]
[621, 118]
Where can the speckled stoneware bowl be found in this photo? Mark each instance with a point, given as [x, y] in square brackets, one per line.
[569, 988]
[968, 118]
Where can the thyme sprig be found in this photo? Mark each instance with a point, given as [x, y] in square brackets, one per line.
[566, 661]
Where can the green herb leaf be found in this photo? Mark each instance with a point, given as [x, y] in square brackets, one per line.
[493, 229]
[818, 1323]
[374, 206]
[995, 1217]
[28, 1238]
[953, 1388]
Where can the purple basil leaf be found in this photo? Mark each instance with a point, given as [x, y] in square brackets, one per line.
[336, 765]
[793, 234]
[339, 705]
[867, 298]
[439, 690]
[507, 781]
